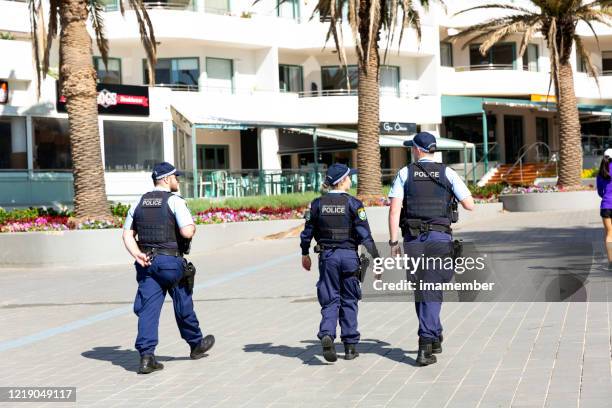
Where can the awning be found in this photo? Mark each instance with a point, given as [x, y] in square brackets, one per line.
[385, 140]
[473, 105]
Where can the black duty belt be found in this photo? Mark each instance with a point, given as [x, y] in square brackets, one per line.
[416, 227]
[161, 251]
[321, 247]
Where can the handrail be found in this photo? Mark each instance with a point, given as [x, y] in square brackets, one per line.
[480, 162]
[519, 161]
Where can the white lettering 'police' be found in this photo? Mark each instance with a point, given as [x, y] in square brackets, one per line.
[435, 174]
[152, 202]
[333, 210]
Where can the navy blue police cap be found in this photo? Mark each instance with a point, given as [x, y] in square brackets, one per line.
[336, 172]
[423, 141]
[164, 169]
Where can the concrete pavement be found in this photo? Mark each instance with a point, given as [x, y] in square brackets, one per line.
[74, 327]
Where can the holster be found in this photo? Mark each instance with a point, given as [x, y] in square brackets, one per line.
[188, 279]
[364, 263]
[457, 250]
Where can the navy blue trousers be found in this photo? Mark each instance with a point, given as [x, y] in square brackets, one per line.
[153, 284]
[339, 292]
[428, 303]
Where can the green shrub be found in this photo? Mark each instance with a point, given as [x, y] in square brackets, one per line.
[486, 191]
[119, 210]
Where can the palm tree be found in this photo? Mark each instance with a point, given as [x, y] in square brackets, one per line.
[367, 19]
[556, 20]
[78, 84]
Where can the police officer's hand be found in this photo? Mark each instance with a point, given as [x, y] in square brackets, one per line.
[306, 262]
[396, 250]
[143, 260]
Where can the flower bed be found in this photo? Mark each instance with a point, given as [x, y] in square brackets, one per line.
[223, 215]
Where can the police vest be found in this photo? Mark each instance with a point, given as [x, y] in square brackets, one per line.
[424, 198]
[335, 223]
[154, 222]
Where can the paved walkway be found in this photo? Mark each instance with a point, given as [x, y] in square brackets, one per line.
[68, 327]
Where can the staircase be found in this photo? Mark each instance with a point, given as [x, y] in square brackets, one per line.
[530, 171]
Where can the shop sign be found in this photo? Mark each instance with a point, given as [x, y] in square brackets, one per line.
[115, 99]
[397, 128]
[543, 98]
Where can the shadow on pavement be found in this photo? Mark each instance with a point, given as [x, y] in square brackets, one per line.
[310, 353]
[129, 360]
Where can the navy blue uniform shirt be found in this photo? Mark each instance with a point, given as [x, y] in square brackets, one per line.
[358, 215]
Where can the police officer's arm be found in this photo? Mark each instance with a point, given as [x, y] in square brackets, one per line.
[461, 191]
[184, 219]
[362, 227]
[395, 211]
[129, 240]
[396, 195]
[309, 227]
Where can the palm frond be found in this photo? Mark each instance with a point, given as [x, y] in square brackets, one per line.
[496, 6]
[96, 8]
[147, 36]
[34, 8]
[586, 57]
[52, 31]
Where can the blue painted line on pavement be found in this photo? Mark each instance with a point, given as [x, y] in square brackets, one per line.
[45, 334]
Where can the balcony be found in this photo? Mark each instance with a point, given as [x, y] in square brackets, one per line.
[337, 107]
[14, 16]
[181, 5]
[493, 80]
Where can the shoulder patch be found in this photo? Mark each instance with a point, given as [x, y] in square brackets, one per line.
[361, 213]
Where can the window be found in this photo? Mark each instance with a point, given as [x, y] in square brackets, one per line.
[500, 56]
[177, 73]
[389, 80]
[110, 74]
[213, 157]
[220, 75]
[290, 78]
[530, 58]
[13, 144]
[132, 146]
[51, 144]
[111, 5]
[333, 78]
[606, 62]
[288, 9]
[446, 54]
[217, 6]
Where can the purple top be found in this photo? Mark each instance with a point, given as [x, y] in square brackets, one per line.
[604, 189]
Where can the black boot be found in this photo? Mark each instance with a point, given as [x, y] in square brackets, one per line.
[200, 350]
[436, 346]
[329, 350]
[350, 352]
[424, 356]
[148, 364]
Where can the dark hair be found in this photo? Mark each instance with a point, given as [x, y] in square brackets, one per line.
[604, 168]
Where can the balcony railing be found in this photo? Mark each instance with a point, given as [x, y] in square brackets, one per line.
[485, 67]
[353, 92]
[179, 87]
[185, 5]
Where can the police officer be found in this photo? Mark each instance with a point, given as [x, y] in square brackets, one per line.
[421, 203]
[163, 226]
[338, 223]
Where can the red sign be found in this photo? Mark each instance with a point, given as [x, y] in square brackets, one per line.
[4, 92]
[118, 100]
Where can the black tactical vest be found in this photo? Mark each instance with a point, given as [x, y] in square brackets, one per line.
[425, 199]
[154, 222]
[335, 224]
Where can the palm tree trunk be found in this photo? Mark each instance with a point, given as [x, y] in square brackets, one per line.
[78, 81]
[368, 145]
[570, 149]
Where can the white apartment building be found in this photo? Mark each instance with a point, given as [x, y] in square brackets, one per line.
[247, 98]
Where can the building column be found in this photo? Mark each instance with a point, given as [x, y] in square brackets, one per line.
[168, 138]
[268, 149]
